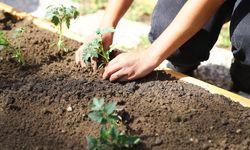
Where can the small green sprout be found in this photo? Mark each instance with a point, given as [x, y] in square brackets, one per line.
[95, 48]
[110, 137]
[3, 40]
[18, 32]
[60, 15]
[15, 50]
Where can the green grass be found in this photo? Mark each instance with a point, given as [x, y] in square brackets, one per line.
[139, 11]
[224, 37]
[90, 6]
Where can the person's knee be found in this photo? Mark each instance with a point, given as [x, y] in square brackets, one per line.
[240, 69]
[158, 24]
[241, 47]
[240, 74]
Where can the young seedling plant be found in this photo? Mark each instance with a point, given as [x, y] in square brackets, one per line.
[58, 16]
[110, 138]
[95, 49]
[15, 50]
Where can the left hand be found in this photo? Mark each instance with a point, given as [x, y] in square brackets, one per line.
[129, 66]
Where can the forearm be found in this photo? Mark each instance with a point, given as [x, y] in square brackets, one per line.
[114, 11]
[191, 18]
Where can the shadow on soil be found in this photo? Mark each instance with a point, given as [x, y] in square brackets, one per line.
[158, 75]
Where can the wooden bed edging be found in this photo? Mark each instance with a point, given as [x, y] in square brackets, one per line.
[48, 26]
[211, 88]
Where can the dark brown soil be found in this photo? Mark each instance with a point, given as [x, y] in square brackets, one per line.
[165, 113]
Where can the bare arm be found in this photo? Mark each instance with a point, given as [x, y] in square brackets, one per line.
[190, 19]
[115, 10]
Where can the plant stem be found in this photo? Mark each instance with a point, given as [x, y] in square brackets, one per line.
[59, 44]
[104, 55]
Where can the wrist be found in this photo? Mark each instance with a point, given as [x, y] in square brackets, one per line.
[155, 58]
[106, 25]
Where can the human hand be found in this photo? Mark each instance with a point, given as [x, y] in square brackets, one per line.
[129, 66]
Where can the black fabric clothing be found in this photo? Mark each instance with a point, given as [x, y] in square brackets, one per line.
[195, 50]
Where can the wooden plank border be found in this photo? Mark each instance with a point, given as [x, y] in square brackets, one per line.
[211, 88]
[48, 26]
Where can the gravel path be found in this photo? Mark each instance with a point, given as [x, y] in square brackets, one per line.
[215, 70]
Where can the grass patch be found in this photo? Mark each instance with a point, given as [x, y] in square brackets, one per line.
[90, 6]
[224, 37]
[139, 11]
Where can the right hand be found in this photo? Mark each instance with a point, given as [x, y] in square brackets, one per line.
[107, 41]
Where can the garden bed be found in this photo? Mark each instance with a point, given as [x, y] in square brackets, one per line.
[44, 105]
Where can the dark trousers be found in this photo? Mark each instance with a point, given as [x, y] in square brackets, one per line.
[190, 54]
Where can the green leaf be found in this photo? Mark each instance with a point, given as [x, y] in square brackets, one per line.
[55, 20]
[105, 30]
[128, 141]
[96, 116]
[4, 42]
[92, 143]
[110, 107]
[114, 118]
[3, 39]
[107, 55]
[104, 135]
[18, 32]
[97, 104]
[61, 14]
[88, 51]
[114, 133]
[76, 14]
[68, 22]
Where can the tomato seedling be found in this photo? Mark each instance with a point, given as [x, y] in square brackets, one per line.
[58, 16]
[15, 50]
[109, 137]
[95, 48]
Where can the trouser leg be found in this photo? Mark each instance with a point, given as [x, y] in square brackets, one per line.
[195, 50]
[240, 38]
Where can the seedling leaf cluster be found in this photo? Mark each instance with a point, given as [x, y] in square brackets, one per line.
[109, 135]
[60, 15]
[95, 48]
[15, 50]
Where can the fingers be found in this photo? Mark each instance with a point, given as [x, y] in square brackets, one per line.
[78, 58]
[93, 62]
[124, 78]
[117, 75]
[113, 62]
[109, 70]
[122, 75]
[82, 63]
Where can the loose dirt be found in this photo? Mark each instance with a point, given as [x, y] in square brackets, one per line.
[164, 112]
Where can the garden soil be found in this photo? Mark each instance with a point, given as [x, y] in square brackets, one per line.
[44, 105]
